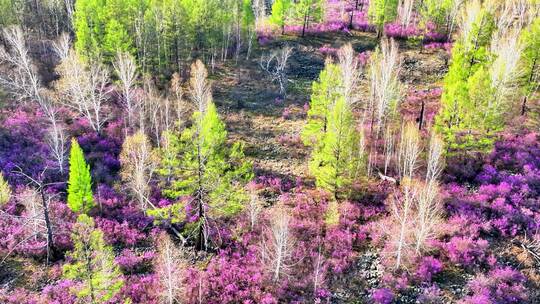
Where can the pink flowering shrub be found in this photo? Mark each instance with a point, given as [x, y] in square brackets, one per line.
[132, 262]
[230, 277]
[501, 285]
[466, 251]
[397, 31]
[382, 296]
[428, 267]
[291, 140]
[139, 289]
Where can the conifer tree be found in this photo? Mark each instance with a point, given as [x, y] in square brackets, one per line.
[201, 166]
[79, 199]
[382, 12]
[101, 28]
[308, 11]
[530, 61]
[458, 117]
[280, 12]
[325, 92]
[92, 264]
[339, 159]
[116, 40]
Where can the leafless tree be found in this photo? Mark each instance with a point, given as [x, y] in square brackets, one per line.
[254, 208]
[435, 159]
[170, 266]
[179, 105]
[62, 46]
[505, 70]
[275, 65]
[409, 151]
[402, 219]
[139, 162]
[199, 87]
[469, 17]
[405, 11]
[56, 139]
[350, 73]
[318, 269]
[36, 201]
[84, 88]
[428, 213]
[126, 70]
[385, 87]
[22, 79]
[389, 143]
[277, 247]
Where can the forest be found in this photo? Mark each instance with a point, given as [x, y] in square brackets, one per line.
[269, 151]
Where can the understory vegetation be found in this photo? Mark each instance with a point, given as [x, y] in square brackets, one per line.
[269, 151]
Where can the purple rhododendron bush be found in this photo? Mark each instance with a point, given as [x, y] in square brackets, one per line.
[284, 151]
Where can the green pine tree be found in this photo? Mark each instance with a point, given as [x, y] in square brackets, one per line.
[463, 121]
[91, 263]
[339, 159]
[280, 11]
[79, 199]
[101, 27]
[530, 61]
[116, 39]
[325, 92]
[382, 12]
[309, 11]
[201, 166]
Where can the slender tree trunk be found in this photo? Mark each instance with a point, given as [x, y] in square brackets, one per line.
[306, 17]
[201, 238]
[524, 105]
[531, 77]
[352, 14]
[421, 118]
[50, 241]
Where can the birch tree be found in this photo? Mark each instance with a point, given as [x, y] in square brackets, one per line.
[277, 248]
[350, 73]
[23, 81]
[139, 163]
[385, 87]
[84, 88]
[170, 265]
[126, 70]
[275, 65]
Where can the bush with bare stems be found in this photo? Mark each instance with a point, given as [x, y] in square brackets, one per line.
[416, 208]
[275, 65]
[170, 265]
[277, 247]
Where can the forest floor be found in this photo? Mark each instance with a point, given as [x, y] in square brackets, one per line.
[271, 128]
